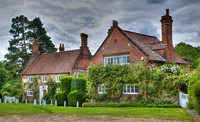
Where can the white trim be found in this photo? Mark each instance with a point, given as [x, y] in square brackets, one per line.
[58, 77]
[101, 89]
[30, 79]
[130, 89]
[29, 92]
[44, 78]
[120, 59]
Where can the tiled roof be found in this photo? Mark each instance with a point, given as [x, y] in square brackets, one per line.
[144, 42]
[59, 62]
[149, 44]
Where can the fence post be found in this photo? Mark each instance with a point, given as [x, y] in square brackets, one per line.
[5, 99]
[40, 101]
[64, 103]
[77, 104]
[51, 102]
[35, 102]
[0, 100]
[26, 101]
[44, 102]
[56, 103]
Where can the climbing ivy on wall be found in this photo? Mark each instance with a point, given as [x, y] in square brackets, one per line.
[155, 82]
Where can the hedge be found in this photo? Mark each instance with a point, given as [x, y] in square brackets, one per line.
[65, 83]
[78, 84]
[75, 96]
[130, 104]
[194, 92]
[61, 97]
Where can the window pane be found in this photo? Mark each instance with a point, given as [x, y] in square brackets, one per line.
[136, 89]
[127, 61]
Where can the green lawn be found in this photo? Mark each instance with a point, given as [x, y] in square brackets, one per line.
[159, 113]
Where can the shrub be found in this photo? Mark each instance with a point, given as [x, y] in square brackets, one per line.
[75, 96]
[61, 97]
[78, 84]
[65, 84]
[194, 91]
[143, 103]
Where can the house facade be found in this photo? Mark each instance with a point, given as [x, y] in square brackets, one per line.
[126, 47]
[54, 66]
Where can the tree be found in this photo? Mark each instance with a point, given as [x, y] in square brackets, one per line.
[186, 50]
[38, 33]
[18, 52]
[3, 75]
[24, 32]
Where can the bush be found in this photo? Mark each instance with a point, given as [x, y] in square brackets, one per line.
[75, 96]
[65, 84]
[78, 84]
[61, 97]
[133, 104]
[194, 92]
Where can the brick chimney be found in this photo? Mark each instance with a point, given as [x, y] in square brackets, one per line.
[83, 60]
[35, 48]
[61, 48]
[115, 24]
[84, 40]
[166, 23]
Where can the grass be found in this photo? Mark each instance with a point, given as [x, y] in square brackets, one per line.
[157, 113]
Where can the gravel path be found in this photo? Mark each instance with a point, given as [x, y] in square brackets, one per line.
[70, 118]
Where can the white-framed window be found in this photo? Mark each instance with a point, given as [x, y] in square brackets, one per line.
[30, 79]
[29, 92]
[130, 89]
[44, 78]
[57, 90]
[58, 77]
[121, 59]
[101, 89]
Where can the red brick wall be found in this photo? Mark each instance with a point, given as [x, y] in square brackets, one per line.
[117, 44]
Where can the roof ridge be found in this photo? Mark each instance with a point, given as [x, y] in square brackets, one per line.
[139, 33]
[60, 52]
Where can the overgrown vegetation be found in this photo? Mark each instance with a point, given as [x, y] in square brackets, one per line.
[194, 92]
[159, 83]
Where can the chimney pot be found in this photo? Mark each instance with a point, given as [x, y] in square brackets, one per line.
[167, 12]
[61, 48]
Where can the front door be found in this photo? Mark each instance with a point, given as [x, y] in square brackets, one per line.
[43, 91]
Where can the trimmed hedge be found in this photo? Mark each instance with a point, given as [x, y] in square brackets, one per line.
[61, 97]
[65, 84]
[75, 96]
[78, 84]
[130, 104]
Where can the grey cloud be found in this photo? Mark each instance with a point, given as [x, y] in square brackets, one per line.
[156, 1]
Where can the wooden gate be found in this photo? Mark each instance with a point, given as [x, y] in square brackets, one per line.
[183, 99]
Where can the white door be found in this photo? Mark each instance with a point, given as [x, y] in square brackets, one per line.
[183, 99]
[43, 91]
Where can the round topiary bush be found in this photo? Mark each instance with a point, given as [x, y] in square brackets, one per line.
[75, 96]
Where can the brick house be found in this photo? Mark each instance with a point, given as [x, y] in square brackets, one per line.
[54, 66]
[126, 47]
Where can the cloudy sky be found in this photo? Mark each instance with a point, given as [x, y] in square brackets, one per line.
[64, 20]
